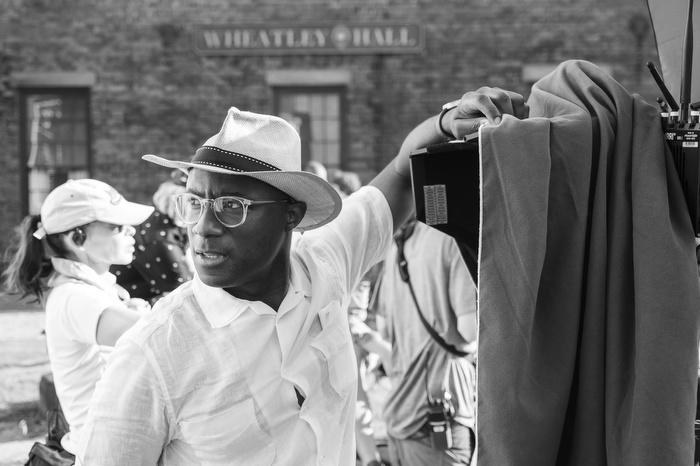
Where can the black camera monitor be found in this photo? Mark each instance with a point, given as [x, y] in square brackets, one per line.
[445, 180]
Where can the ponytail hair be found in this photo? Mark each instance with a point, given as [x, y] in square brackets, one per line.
[28, 265]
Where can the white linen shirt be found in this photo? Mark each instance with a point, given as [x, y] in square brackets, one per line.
[209, 378]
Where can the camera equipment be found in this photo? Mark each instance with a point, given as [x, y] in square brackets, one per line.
[683, 137]
[445, 181]
[439, 416]
[682, 128]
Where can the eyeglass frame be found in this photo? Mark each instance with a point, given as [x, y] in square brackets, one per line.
[206, 202]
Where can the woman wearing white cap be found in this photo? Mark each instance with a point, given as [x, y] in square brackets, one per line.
[62, 257]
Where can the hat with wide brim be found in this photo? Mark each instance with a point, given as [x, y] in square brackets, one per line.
[266, 148]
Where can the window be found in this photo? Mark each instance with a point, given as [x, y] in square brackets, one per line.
[316, 113]
[55, 140]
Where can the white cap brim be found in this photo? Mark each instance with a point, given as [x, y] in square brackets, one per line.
[126, 213]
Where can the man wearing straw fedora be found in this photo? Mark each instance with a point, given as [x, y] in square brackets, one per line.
[251, 362]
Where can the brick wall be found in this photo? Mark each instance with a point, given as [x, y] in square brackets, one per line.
[153, 93]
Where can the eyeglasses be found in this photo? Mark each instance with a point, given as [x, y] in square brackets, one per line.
[231, 211]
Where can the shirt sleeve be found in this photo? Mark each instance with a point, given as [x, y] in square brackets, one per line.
[128, 418]
[357, 239]
[81, 314]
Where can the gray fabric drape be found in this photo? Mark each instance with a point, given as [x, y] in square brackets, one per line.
[588, 285]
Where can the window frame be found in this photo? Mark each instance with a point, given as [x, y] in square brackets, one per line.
[339, 89]
[23, 95]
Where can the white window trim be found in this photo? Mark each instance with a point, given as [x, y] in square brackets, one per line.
[53, 79]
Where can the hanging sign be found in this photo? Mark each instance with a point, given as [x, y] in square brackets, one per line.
[309, 39]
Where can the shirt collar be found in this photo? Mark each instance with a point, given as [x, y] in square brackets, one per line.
[221, 308]
[66, 270]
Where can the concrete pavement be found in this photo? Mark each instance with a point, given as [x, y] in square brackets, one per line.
[23, 360]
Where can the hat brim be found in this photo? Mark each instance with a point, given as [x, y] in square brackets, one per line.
[322, 201]
[127, 213]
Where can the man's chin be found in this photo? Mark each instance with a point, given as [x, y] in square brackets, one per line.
[214, 280]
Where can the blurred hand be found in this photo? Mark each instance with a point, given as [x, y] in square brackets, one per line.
[138, 305]
[357, 325]
[486, 104]
[371, 341]
[365, 337]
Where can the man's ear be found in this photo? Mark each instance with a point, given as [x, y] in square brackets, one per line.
[295, 213]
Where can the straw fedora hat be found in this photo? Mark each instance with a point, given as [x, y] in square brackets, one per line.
[267, 148]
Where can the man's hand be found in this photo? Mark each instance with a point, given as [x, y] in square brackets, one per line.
[484, 104]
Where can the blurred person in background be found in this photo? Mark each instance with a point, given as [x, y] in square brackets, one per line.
[346, 182]
[161, 259]
[62, 258]
[427, 380]
[317, 168]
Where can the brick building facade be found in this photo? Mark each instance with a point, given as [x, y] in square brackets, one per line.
[87, 86]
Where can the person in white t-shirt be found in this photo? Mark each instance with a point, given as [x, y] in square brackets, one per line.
[62, 257]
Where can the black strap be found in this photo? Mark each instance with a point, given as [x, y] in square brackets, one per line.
[403, 271]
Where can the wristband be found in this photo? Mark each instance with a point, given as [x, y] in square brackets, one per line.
[446, 108]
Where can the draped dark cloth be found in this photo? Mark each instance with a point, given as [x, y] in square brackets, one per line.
[588, 284]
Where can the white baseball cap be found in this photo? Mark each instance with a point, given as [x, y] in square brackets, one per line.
[79, 202]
